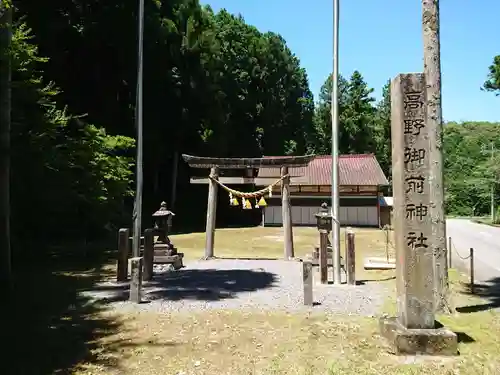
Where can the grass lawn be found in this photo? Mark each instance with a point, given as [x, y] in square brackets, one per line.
[267, 242]
[82, 338]
[253, 342]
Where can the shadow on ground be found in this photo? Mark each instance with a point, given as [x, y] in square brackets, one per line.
[192, 284]
[50, 327]
[489, 292]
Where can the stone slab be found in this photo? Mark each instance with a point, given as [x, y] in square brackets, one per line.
[403, 341]
[164, 253]
[168, 258]
[176, 260]
[370, 264]
[380, 260]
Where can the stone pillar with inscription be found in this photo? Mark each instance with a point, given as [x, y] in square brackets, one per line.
[413, 330]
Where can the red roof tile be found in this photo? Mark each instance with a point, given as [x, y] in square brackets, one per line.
[360, 169]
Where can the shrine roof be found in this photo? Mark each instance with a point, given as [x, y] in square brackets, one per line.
[354, 169]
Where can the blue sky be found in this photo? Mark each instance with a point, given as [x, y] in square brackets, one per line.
[381, 42]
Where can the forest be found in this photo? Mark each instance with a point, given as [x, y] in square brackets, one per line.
[213, 86]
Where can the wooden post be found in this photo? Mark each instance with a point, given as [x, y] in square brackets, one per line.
[287, 215]
[323, 259]
[148, 254]
[136, 265]
[351, 258]
[123, 253]
[379, 195]
[211, 213]
[434, 124]
[471, 256]
[307, 279]
[175, 167]
[450, 244]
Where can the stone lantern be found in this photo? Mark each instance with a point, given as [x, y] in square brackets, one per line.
[162, 225]
[324, 219]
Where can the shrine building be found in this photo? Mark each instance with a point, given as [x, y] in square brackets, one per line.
[361, 181]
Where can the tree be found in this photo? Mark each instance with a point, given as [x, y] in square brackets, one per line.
[470, 167]
[69, 170]
[323, 114]
[5, 123]
[382, 131]
[261, 102]
[493, 81]
[213, 85]
[357, 118]
[434, 123]
[356, 115]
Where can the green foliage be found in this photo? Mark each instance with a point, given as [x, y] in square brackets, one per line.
[471, 166]
[213, 85]
[382, 131]
[260, 101]
[364, 126]
[323, 113]
[493, 81]
[68, 177]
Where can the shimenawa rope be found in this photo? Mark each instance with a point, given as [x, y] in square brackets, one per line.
[254, 194]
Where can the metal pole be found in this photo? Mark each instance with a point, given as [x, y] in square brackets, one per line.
[450, 259]
[335, 147]
[471, 256]
[137, 216]
[492, 209]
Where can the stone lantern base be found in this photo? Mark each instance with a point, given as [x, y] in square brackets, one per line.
[166, 249]
[167, 254]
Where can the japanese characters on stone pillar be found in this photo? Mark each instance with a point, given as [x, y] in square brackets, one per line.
[412, 222]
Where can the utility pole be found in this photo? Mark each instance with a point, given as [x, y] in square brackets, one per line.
[5, 120]
[335, 148]
[434, 122]
[139, 127]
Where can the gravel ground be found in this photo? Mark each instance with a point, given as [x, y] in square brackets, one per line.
[241, 284]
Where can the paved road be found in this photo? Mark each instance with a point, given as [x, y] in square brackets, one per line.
[486, 243]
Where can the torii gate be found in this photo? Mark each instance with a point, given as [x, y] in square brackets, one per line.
[215, 164]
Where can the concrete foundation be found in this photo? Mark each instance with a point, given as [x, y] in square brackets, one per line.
[403, 341]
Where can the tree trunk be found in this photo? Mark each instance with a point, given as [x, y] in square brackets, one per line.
[432, 70]
[5, 109]
[173, 191]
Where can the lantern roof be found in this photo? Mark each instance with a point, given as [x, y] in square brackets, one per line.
[163, 211]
